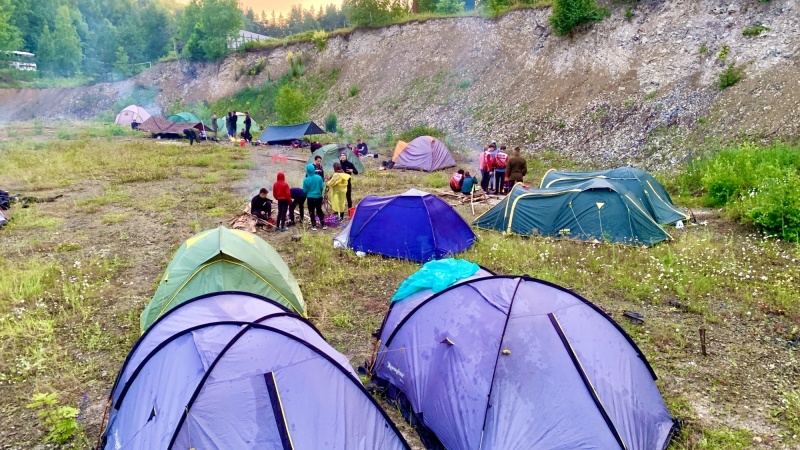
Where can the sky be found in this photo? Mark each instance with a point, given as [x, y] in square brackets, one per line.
[280, 6]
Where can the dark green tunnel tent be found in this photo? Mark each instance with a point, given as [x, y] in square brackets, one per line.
[183, 117]
[595, 209]
[644, 186]
[222, 260]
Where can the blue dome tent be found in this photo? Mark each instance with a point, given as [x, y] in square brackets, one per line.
[414, 225]
[235, 370]
[502, 362]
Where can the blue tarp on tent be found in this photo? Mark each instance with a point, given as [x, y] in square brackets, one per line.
[235, 370]
[503, 362]
[285, 134]
[414, 225]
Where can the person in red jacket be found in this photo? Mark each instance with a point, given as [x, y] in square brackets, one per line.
[283, 194]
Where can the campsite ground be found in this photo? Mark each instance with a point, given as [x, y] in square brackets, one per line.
[75, 274]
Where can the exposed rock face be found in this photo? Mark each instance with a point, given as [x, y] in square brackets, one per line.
[618, 91]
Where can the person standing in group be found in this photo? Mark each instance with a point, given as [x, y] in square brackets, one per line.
[228, 124]
[350, 169]
[313, 185]
[234, 119]
[495, 148]
[298, 200]
[318, 167]
[517, 169]
[283, 194]
[500, 163]
[261, 206]
[214, 126]
[485, 164]
[338, 185]
[248, 122]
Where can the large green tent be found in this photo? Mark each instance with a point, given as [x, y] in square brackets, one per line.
[593, 210]
[224, 260]
[254, 128]
[183, 117]
[330, 154]
[644, 186]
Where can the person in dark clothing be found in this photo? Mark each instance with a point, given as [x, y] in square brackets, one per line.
[298, 201]
[234, 119]
[318, 167]
[283, 194]
[350, 169]
[468, 184]
[361, 148]
[191, 134]
[247, 123]
[517, 169]
[228, 125]
[315, 146]
[261, 206]
[246, 136]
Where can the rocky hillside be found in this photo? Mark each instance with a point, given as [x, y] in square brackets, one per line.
[642, 89]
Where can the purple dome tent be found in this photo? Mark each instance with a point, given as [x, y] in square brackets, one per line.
[500, 362]
[414, 225]
[235, 370]
[423, 153]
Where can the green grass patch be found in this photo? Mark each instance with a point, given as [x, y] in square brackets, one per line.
[31, 218]
[110, 219]
[436, 180]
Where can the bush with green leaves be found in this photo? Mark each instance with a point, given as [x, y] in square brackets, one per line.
[374, 13]
[568, 14]
[331, 123]
[291, 106]
[774, 207]
[420, 130]
[320, 39]
[61, 421]
[449, 7]
[730, 76]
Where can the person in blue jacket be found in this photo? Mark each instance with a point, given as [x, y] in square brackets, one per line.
[313, 186]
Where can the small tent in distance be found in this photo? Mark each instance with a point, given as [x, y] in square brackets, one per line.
[132, 113]
[507, 362]
[285, 134]
[595, 210]
[239, 371]
[183, 117]
[423, 153]
[254, 128]
[224, 260]
[414, 225]
[644, 186]
[330, 154]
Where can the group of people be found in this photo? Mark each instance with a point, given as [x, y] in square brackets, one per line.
[499, 172]
[290, 199]
[231, 125]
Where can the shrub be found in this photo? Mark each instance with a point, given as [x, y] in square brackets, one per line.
[754, 30]
[291, 106]
[354, 90]
[331, 123]
[730, 76]
[420, 130]
[320, 39]
[774, 207]
[568, 14]
[723, 52]
[449, 7]
[295, 61]
[62, 421]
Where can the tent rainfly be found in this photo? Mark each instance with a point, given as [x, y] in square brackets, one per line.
[183, 117]
[224, 260]
[285, 134]
[132, 113]
[240, 371]
[644, 186]
[414, 225]
[330, 154]
[595, 210]
[423, 153]
[503, 362]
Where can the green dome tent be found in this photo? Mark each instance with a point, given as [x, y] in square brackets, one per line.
[254, 128]
[593, 210]
[224, 260]
[183, 117]
[330, 154]
[647, 189]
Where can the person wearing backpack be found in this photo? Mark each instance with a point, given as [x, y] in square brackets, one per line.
[485, 164]
[457, 180]
[500, 163]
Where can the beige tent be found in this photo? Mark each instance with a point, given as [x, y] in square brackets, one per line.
[133, 113]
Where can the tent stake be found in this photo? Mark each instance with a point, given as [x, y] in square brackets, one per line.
[703, 341]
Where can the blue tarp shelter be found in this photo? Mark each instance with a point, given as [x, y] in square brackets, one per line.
[505, 362]
[235, 370]
[285, 134]
[414, 225]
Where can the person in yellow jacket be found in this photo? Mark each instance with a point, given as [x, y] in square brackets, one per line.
[338, 187]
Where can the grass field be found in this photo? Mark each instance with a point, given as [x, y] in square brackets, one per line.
[76, 273]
